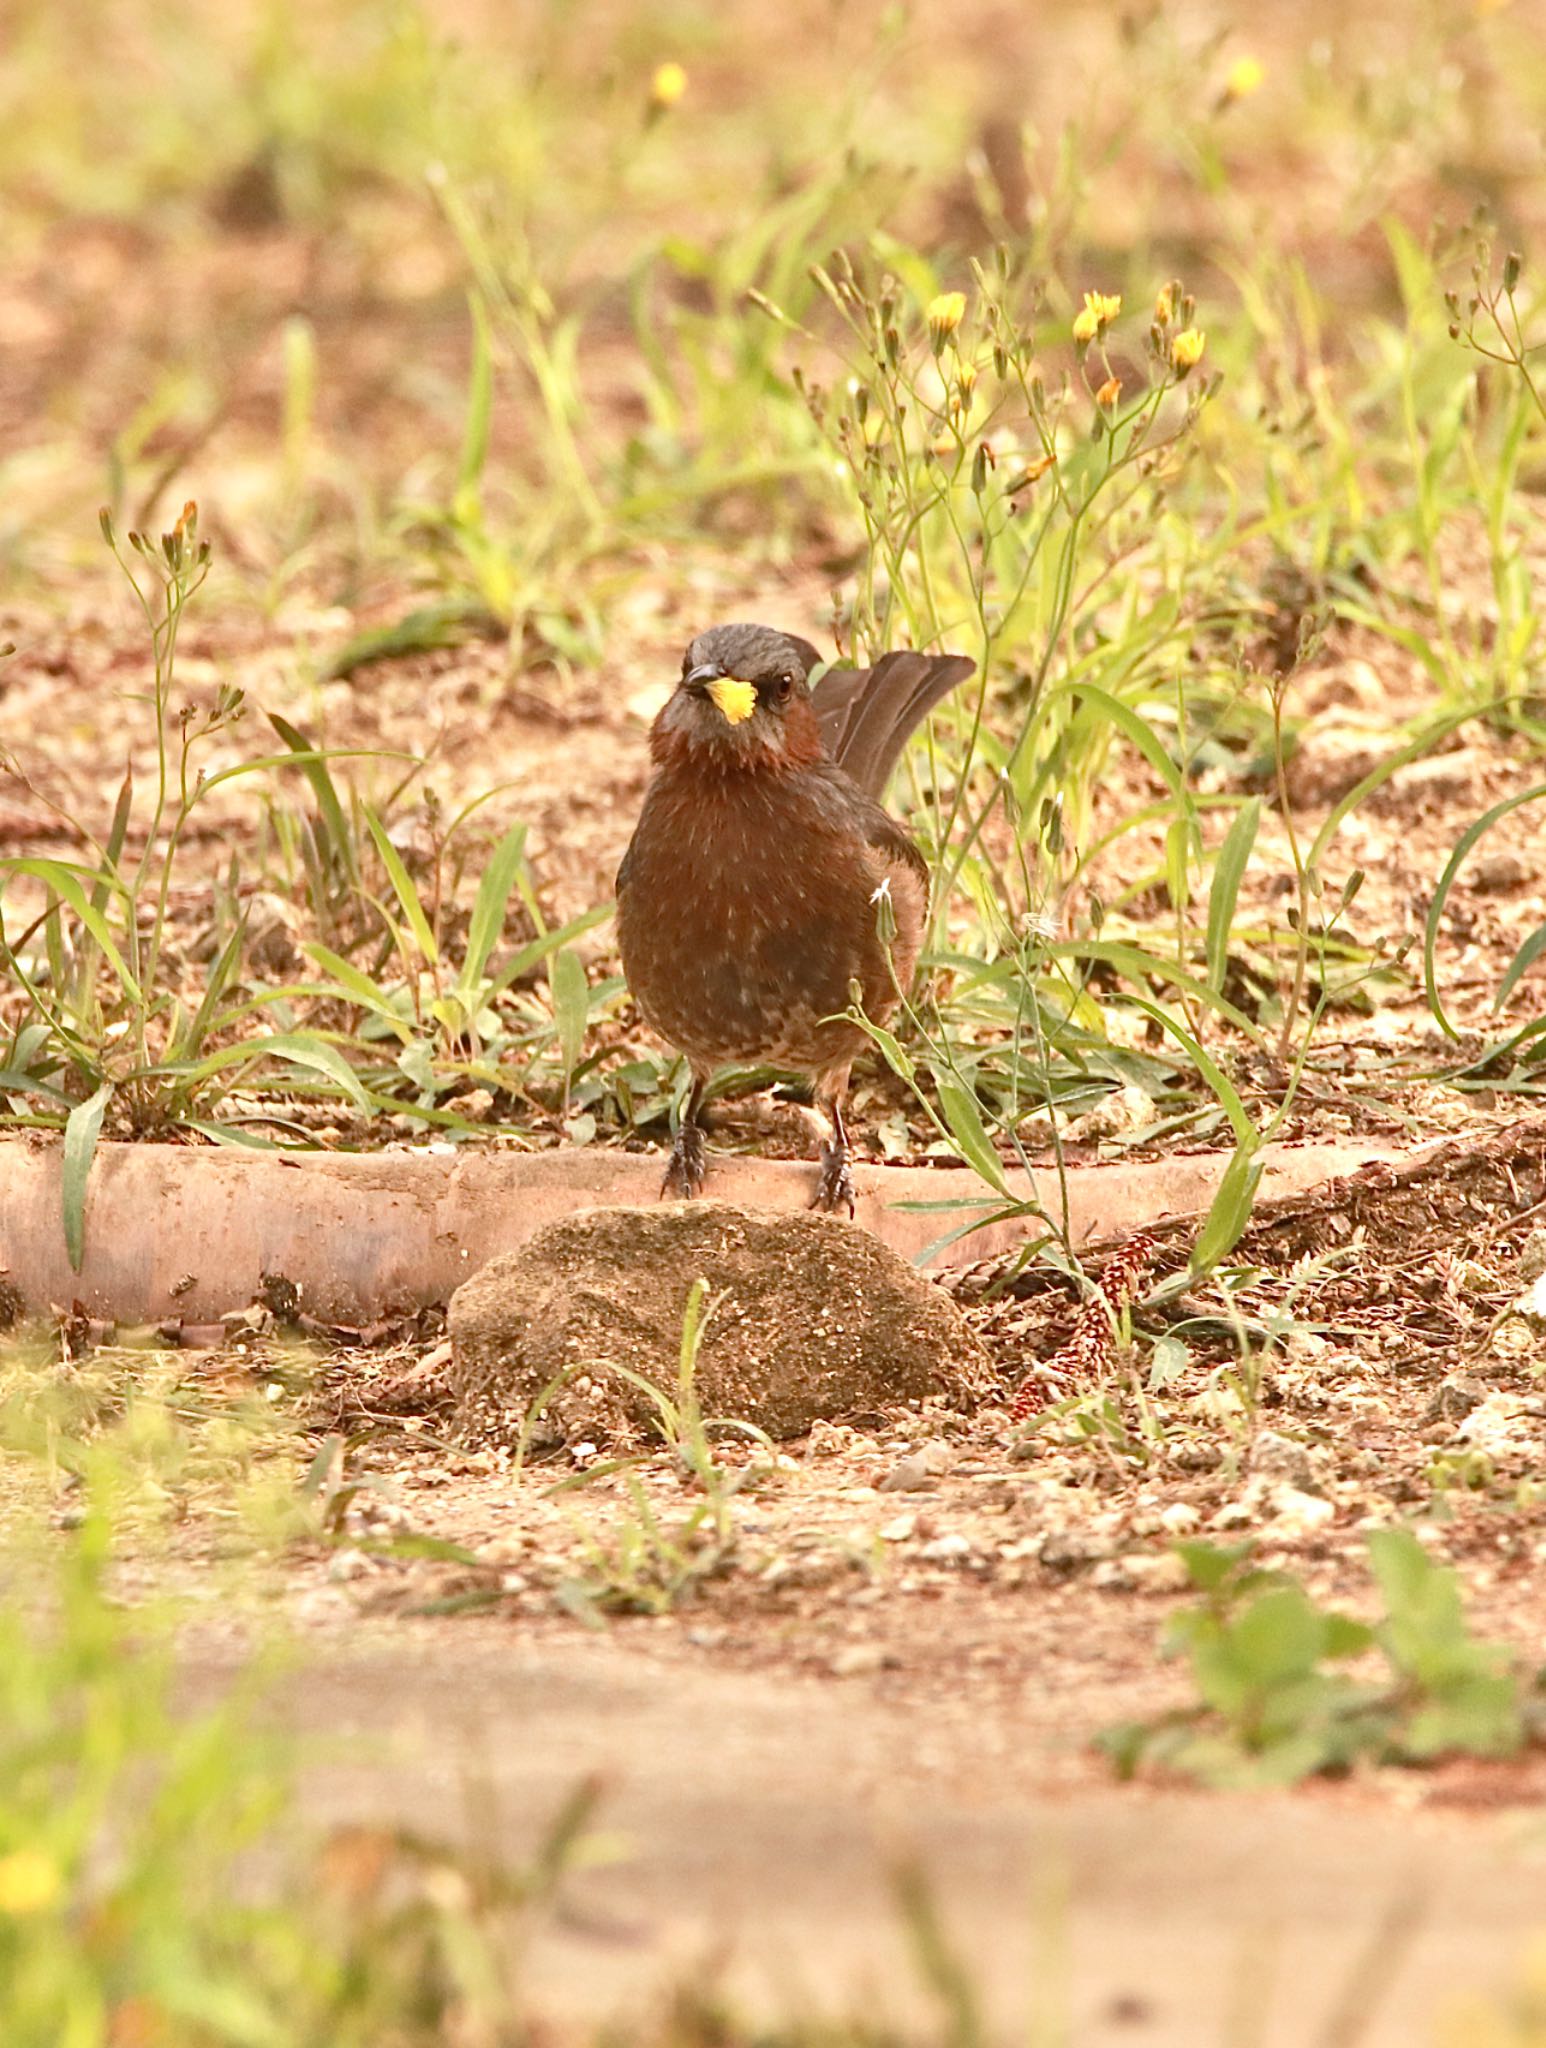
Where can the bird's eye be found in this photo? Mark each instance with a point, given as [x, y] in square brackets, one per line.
[782, 688]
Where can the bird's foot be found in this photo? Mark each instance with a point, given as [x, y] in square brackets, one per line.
[835, 1188]
[687, 1165]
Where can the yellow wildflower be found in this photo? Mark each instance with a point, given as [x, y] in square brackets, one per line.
[1109, 393]
[1186, 350]
[1245, 76]
[29, 1881]
[1100, 309]
[1164, 305]
[944, 315]
[667, 86]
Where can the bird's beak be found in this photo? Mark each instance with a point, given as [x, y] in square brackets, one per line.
[705, 673]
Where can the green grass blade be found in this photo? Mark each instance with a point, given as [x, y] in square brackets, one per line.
[424, 630]
[1226, 1091]
[356, 986]
[468, 505]
[1379, 776]
[1468, 839]
[83, 1126]
[535, 951]
[1228, 873]
[314, 768]
[488, 910]
[190, 1045]
[1138, 964]
[64, 880]
[117, 833]
[1522, 961]
[403, 888]
[1143, 736]
[301, 1049]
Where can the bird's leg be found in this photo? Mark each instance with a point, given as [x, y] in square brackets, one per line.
[689, 1150]
[835, 1189]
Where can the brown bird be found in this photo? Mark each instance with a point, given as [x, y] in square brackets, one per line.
[749, 902]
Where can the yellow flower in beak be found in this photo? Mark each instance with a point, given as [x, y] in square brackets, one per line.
[737, 700]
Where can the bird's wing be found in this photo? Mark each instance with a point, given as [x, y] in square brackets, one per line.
[868, 715]
[856, 811]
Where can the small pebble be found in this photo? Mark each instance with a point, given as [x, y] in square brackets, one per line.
[919, 1471]
[1180, 1518]
[858, 1660]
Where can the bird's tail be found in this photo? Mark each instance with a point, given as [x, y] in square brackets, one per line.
[867, 715]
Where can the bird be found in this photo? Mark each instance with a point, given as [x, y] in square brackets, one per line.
[751, 902]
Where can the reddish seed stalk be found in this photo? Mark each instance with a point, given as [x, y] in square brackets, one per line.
[1088, 1352]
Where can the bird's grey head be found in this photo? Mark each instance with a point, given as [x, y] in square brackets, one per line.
[738, 686]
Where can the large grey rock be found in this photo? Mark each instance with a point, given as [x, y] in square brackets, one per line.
[814, 1319]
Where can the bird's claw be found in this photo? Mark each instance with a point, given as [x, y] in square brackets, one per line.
[835, 1188]
[687, 1166]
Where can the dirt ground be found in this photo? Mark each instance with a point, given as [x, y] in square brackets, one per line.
[923, 1620]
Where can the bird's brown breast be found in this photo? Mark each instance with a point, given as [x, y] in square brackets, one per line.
[747, 912]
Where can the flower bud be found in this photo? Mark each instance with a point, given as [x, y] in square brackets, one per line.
[666, 87]
[1186, 350]
[944, 315]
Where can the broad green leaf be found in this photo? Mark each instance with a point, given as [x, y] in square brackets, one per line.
[964, 1118]
[1230, 1210]
[571, 1005]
